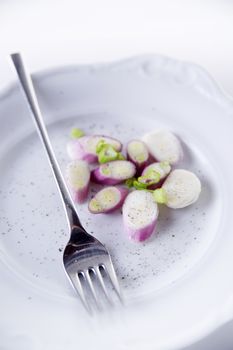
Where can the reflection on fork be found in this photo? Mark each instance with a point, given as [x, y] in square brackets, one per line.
[90, 269]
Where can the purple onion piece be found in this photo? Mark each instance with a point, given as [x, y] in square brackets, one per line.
[78, 179]
[107, 200]
[85, 147]
[138, 154]
[140, 214]
[162, 168]
[114, 172]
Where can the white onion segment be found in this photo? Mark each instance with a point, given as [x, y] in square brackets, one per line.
[85, 147]
[107, 200]
[182, 188]
[114, 172]
[140, 214]
[78, 178]
[164, 146]
[138, 153]
[161, 168]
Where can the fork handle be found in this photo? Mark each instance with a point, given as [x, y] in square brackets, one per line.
[29, 92]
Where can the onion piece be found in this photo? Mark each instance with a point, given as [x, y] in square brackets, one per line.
[85, 147]
[107, 200]
[164, 146]
[140, 213]
[182, 188]
[154, 174]
[114, 172]
[78, 177]
[137, 153]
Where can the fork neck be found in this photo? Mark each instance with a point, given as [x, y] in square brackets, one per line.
[72, 217]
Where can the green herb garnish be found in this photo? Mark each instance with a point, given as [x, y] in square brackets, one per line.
[77, 133]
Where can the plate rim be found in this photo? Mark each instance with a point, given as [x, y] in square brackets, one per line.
[212, 90]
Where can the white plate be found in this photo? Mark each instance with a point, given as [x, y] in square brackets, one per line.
[178, 286]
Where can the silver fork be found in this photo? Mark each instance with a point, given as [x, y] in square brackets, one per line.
[87, 262]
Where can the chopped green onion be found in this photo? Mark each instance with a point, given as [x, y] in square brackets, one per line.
[129, 182]
[120, 156]
[139, 186]
[100, 145]
[160, 195]
[77, 133]
[107, 154]
[150, 178]
[153, 175]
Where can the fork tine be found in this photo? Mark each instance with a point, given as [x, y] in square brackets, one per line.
[109, 269]
[91, 287]
[75, 279]
[101, 281]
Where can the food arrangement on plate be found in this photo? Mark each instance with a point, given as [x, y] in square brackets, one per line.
[138, 181]
[191, 247]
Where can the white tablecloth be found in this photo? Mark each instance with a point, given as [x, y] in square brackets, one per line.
[52, 33]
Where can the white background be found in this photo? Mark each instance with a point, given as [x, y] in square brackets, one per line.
[55, 32]
[52, 33]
